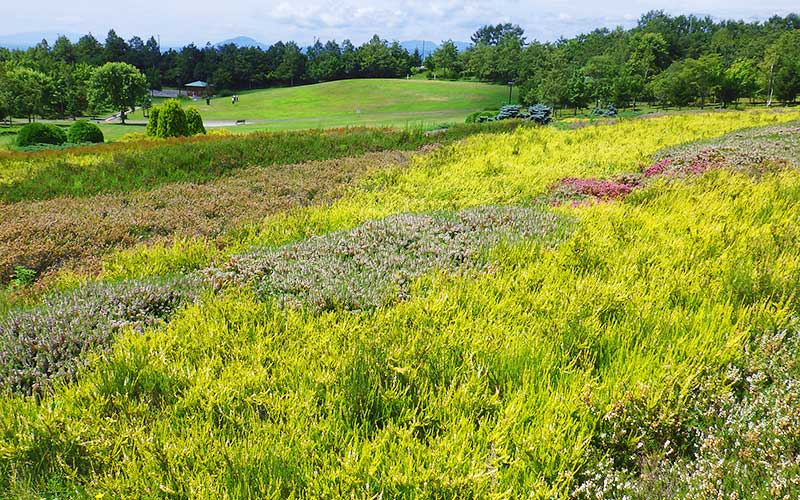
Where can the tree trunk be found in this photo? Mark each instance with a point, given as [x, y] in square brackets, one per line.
[769, 97]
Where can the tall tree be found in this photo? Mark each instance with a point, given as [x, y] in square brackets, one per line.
[117, 85]
[28, 90]
[492, 34]
[116, 50]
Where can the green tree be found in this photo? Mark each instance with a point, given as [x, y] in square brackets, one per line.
[739, 80]
[27, 90]
[779, 67]
[64, 50]
[88, 50]
[493, 34]
[116, 50]
[292, 65]
[445, 60]
[375, 58]
[117, 85]
[648, 55]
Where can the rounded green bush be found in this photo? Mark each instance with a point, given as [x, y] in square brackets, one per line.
[480, 116]
[40, 133]
[172, 120]
[84, 131]
[152, 122]
[194, 122]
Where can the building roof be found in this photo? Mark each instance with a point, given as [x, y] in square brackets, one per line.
[198, 83]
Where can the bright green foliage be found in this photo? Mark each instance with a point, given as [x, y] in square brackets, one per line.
[152, 121]
[126, 166]
[117, 85]
[84, 131]
[171, 120]
[26, 91]
[194, 122]
[40, 133]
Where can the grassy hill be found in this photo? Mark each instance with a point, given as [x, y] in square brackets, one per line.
[381, 102]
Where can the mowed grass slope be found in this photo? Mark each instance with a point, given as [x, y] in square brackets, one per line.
[561, 368]
[356, 102]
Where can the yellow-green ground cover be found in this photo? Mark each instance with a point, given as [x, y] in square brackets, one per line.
[572, 368]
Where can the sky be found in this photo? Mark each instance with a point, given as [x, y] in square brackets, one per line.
[182, 21]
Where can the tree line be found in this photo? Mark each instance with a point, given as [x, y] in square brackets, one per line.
[670, 60]
[54, 81]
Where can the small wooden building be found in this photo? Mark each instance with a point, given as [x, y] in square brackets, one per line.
[196, 89]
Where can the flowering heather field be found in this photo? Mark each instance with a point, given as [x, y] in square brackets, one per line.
[442, 330]
[78, 232]
[376, 263]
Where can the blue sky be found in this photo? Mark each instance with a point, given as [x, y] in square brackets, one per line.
[181, 21]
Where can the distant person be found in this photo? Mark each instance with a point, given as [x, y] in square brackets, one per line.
[233, 99]
[208, 101]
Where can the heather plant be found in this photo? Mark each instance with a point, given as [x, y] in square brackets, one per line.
[51, 340]
[517, 167]
[374, 264]
[476, 384]
[538, 375]
[575, 189]
[88, 229]
[750, 151]
[736, 435]
[124, 167]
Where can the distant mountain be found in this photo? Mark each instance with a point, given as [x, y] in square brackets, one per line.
[30, 39]
[426, 47]
[243, 41]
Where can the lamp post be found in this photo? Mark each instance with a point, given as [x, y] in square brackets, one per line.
[510, 87]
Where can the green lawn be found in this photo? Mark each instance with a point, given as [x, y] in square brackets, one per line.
[357, 102]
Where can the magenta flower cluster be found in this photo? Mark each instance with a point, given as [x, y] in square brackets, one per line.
[603, 189]
[657, 168]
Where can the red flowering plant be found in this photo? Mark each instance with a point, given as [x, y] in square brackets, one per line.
[579, 190]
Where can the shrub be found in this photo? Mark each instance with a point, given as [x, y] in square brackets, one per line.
[374, 264]
[171, 120]
[40, 133]
[84, 131]
[540, 114]
[509, 111]
[480, 116]
[50, 340]
[608, 112]
[575, 187]
[194, 122]
[22, 277]
[152, 122]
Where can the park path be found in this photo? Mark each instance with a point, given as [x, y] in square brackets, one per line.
[233, 123]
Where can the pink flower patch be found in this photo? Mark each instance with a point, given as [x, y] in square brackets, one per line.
[657, 168]
[595, 187]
